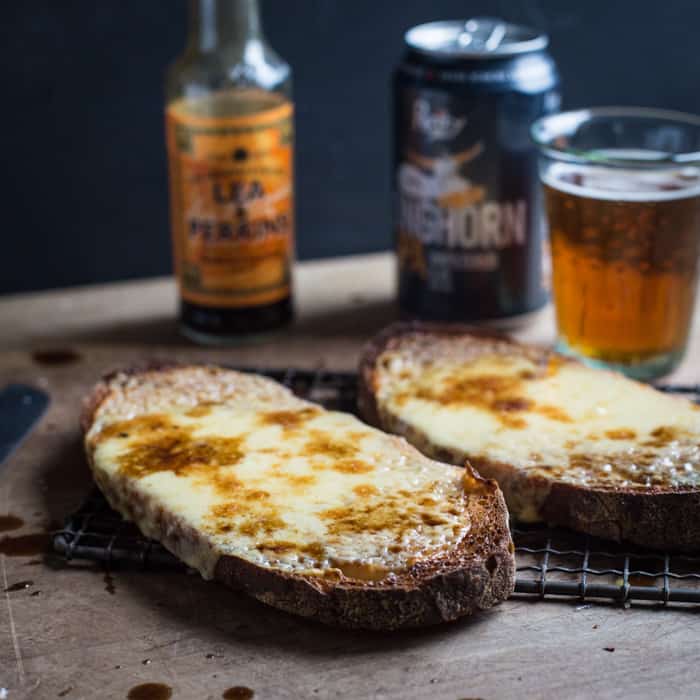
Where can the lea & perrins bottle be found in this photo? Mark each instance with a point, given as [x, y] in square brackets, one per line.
[230, 147]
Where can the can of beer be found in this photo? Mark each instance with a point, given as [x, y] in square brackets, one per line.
[468, 211]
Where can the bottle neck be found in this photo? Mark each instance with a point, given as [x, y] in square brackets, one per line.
[224, 24]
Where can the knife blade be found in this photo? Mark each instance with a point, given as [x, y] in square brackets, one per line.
[21, 406]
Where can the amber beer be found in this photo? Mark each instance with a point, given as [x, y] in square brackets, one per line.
[624, 259]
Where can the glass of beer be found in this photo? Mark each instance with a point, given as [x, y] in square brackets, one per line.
[622, 195]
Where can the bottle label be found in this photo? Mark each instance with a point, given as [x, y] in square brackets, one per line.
[232, 205]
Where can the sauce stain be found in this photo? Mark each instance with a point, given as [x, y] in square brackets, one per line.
[24, 545]
[19, 586]
[150, 691]
[109, 583]
[237, 692]
[55, 356]
[10, 522]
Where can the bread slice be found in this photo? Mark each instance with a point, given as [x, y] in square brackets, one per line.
[579, 447]
[308, 510]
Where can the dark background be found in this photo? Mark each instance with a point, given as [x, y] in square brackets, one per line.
[84, 190]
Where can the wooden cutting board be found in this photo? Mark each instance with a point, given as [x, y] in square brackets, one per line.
[72, 633]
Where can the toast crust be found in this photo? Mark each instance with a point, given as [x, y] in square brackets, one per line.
[661, 517]
[475, 574]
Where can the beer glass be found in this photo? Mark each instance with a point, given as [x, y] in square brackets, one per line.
[622, 196]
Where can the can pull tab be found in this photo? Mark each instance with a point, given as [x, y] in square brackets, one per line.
[482, 34]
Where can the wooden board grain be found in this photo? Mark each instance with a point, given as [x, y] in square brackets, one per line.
[200, 638]
[74, 639]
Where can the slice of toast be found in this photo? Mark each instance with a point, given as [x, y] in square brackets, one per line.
[579, 447]
[308, 510]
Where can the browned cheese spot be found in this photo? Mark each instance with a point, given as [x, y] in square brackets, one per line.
[662, 436]
[199, 411]
[374, 517]
[512, 405]
[499, 394]
[395, 513]
[156, 444]
[253, 517]
[553, 413]
[352, 466]
[513, 422]
[253, 495]
[141, 426]
[433, 519]
[365, 490]
[314, 550]
[288, 420]
[358, 435]
[225, 482]
[621, 434]
[180, 453]
[266, 523]
[299, 481]
[276, 546]
[327, 445]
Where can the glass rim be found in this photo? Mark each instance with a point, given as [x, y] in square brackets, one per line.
[546, 129]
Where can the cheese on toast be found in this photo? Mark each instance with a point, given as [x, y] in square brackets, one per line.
[300, 506]
[581, 447]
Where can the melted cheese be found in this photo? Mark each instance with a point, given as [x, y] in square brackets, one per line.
[560, 420]
[283, 484]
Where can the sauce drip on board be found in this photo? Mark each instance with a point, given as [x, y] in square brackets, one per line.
[237, 692]
[150, 691]
[55, 356]
[19, 586]
[10, 522]
[24, 545]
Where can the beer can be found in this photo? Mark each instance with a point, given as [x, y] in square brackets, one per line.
[468, 209]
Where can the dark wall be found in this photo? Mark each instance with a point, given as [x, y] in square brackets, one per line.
[84, 180]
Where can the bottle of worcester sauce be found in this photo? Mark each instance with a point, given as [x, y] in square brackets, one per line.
[468, 214]
[230, 147]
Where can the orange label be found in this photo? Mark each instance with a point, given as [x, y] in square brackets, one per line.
[231, 205]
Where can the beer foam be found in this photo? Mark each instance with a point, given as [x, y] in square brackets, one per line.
[623, 184]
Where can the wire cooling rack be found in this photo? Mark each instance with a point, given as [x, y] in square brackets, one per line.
[551, 563]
